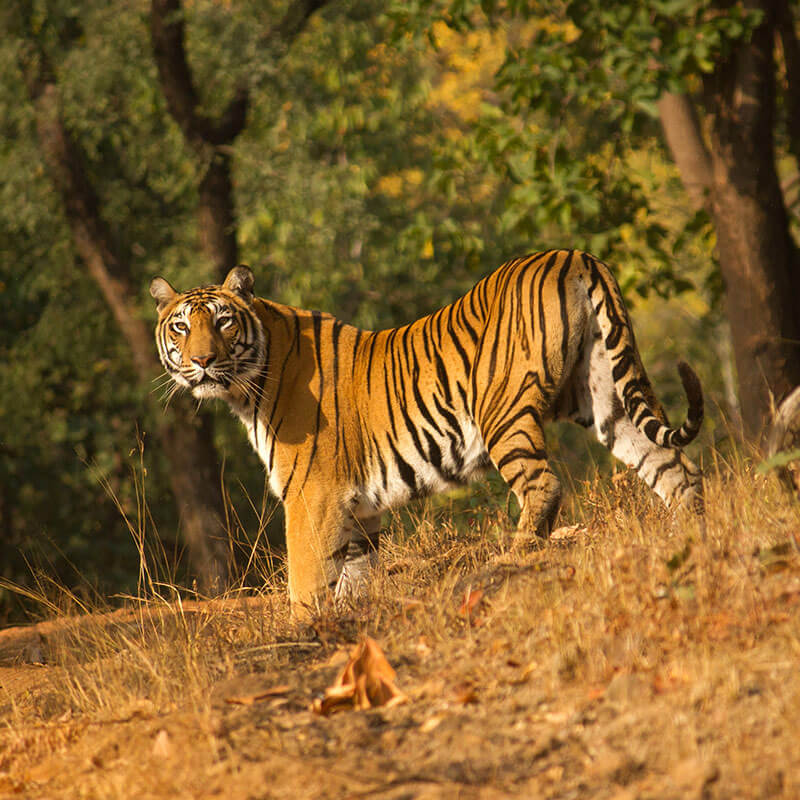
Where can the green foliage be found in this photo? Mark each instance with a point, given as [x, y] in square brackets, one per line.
[577, 96]
[345, 184]
[621, 55]
[777, 461]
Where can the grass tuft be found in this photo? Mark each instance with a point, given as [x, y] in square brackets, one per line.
[636, 654]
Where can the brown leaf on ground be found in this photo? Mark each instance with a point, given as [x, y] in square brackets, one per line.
[566, 573]
[471, 599]
[367, 680]
[466, 694]
[249, 699]
[566, 532]
[162, 745]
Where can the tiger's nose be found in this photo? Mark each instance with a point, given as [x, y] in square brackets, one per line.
[203, 361]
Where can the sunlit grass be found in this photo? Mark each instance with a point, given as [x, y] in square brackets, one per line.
[690, 632]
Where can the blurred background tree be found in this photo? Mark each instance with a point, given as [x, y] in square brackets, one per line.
[367, 158]
[722, 82]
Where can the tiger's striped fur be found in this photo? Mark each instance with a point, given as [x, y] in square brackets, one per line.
[350, 422]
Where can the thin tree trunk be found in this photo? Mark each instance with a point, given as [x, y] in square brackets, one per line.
[211, 138]
[185, 437]
[216, 216]
[759, 261]
[685, 142]
[735, 179]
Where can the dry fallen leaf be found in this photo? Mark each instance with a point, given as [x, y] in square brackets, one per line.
[162, 745]
[249, 699]
[566, 573]
[431, 723]
[567, 532]
[471, 599]
[335, 659]
[596, 692]
[526, 673]
[466, 694]
[367, 680]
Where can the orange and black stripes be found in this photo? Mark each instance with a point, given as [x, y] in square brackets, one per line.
[630, 379]
[350, 422]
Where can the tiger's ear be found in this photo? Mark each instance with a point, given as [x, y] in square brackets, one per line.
[240, 281]
[163, 292]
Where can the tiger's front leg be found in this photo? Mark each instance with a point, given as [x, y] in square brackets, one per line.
[317, 542]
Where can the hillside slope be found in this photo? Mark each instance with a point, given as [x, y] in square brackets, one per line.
[629, 657]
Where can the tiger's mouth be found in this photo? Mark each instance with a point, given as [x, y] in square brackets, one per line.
[208, 386]
[218, 381]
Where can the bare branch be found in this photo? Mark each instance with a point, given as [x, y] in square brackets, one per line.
[168, 34]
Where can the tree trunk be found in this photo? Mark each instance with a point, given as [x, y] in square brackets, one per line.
[735, 179]
[185, 437]
[216, 216]
[211, 138]
[196, 485]
[758, 259]
[685, 142]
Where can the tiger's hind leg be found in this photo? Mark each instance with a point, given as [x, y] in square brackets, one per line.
[520, 457]
[667, 471]
[360, 557]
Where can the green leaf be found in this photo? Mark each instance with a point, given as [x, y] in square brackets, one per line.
[778, 460]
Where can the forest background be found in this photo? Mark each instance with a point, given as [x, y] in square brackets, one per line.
[374, 160]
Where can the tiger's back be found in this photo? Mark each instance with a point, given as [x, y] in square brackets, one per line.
[351, 422]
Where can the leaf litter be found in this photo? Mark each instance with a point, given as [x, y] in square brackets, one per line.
[367, 680]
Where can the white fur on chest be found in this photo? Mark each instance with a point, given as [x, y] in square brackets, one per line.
[262, 441]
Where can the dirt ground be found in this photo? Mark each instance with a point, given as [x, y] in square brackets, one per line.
[603, 665]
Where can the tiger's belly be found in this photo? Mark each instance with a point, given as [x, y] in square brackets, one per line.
[420, 465]
[396, 469]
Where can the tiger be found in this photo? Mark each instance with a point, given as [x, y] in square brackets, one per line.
[350, 422]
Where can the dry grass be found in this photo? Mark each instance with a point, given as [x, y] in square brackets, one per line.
[636, 656]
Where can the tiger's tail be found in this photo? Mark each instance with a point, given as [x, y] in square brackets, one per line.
[630, 379]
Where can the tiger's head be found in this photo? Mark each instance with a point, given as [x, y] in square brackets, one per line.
[210, 339]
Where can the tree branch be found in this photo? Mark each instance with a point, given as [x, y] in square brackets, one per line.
[90, 233]
[216, 208]
[685, 142]
[167, 31]
[293, 22]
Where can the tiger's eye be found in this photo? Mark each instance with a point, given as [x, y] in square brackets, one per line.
[180, 327]
[224, 322]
